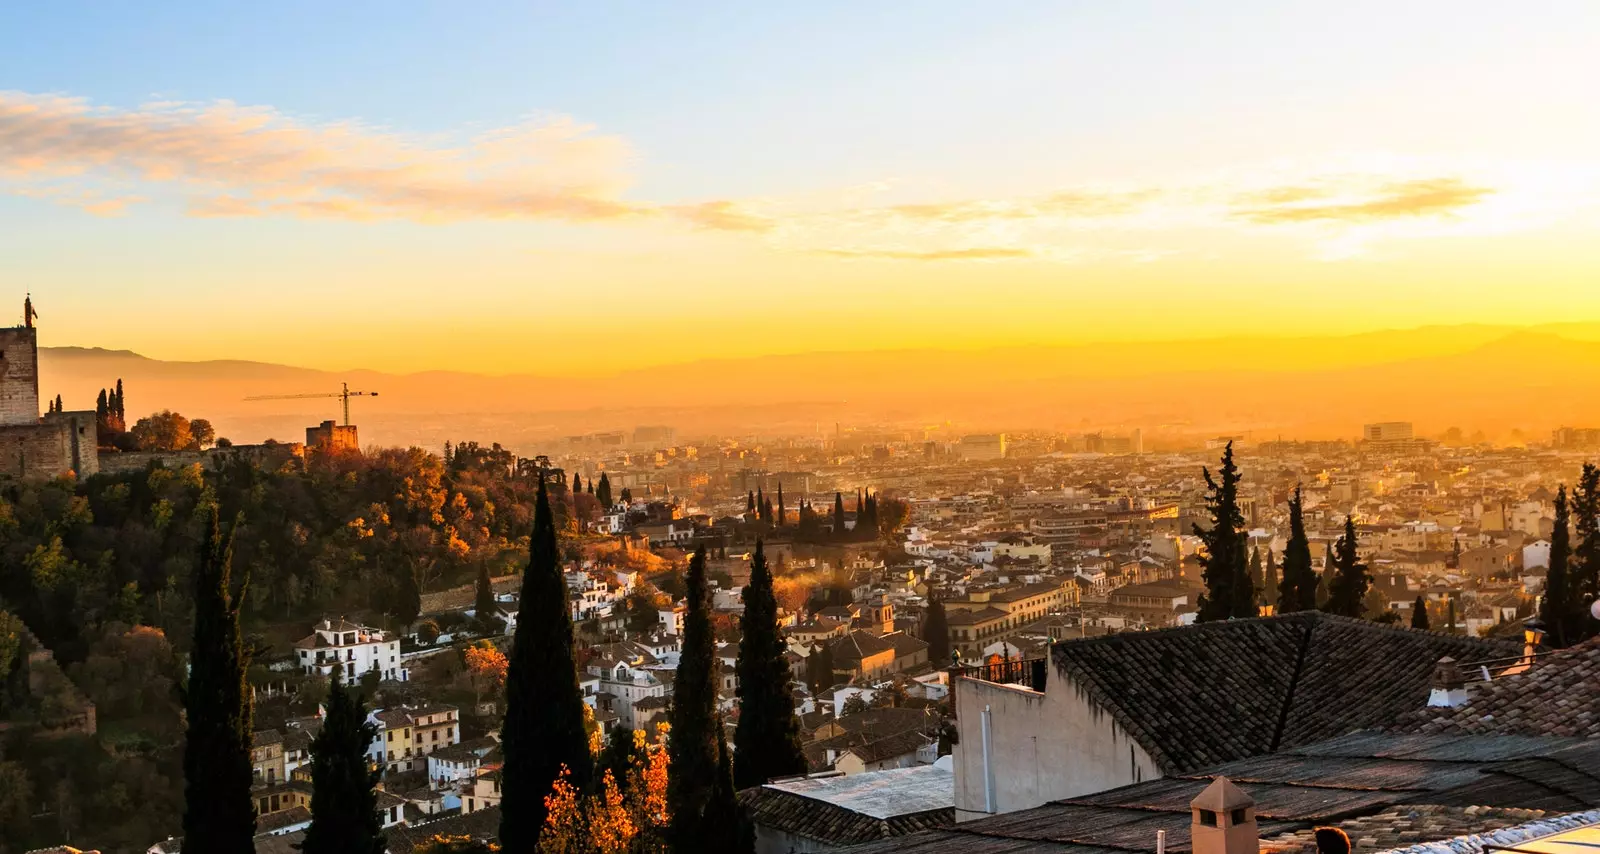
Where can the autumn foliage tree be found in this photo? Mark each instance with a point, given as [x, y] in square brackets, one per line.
[487, 664]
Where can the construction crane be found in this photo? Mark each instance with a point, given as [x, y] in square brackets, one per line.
[344, 398]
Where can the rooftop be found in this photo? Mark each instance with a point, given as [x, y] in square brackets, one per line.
[850, 810]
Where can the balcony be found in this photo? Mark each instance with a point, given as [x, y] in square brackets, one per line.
[1029, 673]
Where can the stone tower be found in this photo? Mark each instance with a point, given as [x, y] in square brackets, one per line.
[19, 375]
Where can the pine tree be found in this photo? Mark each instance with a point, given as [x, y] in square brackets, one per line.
[692, 749]
[936, 631]
[839, 531]
[767, 738]
[726, 827]
[1224, 572]
[484, 605]
[219, 813]
[1419, 614]
[344, 807]
[602, 493]
[1557, 608]
[1297, 591]
[543, 730]
[1347, 590]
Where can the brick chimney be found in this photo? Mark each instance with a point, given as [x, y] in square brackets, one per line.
[1224, 820]
[1449, 687]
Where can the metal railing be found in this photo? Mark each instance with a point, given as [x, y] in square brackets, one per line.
[1028, 672]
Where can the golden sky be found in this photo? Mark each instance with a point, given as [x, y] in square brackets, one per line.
[524, 187]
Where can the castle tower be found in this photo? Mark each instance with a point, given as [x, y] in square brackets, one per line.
[19, 371]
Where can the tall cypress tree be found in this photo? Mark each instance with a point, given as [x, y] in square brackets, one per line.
[839, 531]
[1419, 614]
[543, 727]
[219, 814]
[1298, 589]
[1269, 583]
[407, 597]
[780, 504]
[602, 493]
[750, 502]
[577, 483]
[1224, 571]
[767, 738]
[484, 606]
[1258, 581]
[819, 669]
[1347, 589]
[727, 829]
[122, 403]
[1583, 573]
[692, 749]
[936, 631]
[1557, 608]
[763, 508]
[344, 807]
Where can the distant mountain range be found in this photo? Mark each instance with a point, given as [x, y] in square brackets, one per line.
[1494, 379]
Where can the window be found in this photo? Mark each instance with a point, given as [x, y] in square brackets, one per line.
[1208, 818]
[1236, 817]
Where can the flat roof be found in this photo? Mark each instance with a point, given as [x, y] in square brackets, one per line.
[880, 794]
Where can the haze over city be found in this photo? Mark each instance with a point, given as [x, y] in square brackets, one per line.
[712, 428]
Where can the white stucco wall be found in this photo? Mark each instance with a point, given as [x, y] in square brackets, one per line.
[1045, 746]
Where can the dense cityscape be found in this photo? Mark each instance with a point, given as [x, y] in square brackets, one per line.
[416, 638]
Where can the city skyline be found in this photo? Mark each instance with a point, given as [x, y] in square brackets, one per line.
[416, 189]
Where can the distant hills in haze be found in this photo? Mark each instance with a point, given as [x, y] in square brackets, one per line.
[1476, 377]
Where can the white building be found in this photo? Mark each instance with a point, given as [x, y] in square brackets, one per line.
[357, 649]
[984, 446]
[627, 685]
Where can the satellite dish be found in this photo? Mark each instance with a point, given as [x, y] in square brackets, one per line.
[1594, 609]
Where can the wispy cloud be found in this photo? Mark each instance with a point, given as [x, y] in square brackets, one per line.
[1402, 200]
[975, 254]
[229, 160]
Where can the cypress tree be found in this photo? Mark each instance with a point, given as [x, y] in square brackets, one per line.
[692, 749]
[1419, 614]
[122, 403]
[344, 807]
[484, 605]
[408, 598]
[589, 484]
[763, 509]
[1224, 571]
[1269, 583]
[627, 496]
[1557, 608]
[1347, 590]
[1583, 572]
[102, 408]
[767, 738]
[602, 493]
[838, 517]
[780, 504]
[1451, 616]
[543, 727]
[725, 824]
[819, 669]
[219, 814]
[1258, 580]
[936, 631]
[577, 483]
[766, 510]
[59, 407]
[1298, 589]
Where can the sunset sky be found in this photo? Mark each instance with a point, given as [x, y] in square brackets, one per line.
[571, 188]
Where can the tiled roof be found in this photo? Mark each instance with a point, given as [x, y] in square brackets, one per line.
[1558, 695]
[1199, 695]
[1349, 781]
[483, 824]
[1405, 825]
[856, 646]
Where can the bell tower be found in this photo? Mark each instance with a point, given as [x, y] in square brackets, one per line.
[19, 370]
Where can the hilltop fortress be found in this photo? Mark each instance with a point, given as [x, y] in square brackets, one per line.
[32, 445]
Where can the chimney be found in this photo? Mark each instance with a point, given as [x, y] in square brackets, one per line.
[1449, 688]
[1224, 820]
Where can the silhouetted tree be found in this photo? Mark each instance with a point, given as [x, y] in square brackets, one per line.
[692, 749]
[344, 807]
[1419, 614]
[780, 504]
[725, 825]
[1257, 575]
[750, 502]
[767, 738]
[1298, 589]
[1583, 574]
[1561, 608]
[219, 813]
[1224, 572]
[819, 669]
[1348, 588]
[484, 606]
[839, 531]
[602, 493]
[407, 604]
[543, 729]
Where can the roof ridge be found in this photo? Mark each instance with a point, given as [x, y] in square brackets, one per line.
[1294, 682]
